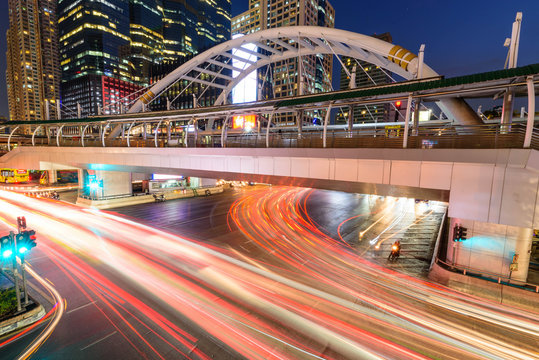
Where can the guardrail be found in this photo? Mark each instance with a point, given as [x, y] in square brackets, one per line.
[469, 271]
[487, 136]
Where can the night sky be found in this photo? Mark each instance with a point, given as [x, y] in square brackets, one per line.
[461, 37]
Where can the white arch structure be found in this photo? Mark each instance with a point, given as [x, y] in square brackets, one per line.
[280, 44]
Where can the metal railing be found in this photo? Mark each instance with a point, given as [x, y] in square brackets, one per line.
[488, 136]
[469, 271]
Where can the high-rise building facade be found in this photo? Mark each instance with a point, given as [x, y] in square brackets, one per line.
[32, 74]
[291, 77]
[365, 74]
[95, 54]
[146, 35]
[108, 48]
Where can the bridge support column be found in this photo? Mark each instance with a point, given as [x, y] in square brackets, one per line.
[195, 127]
[507, 111]
[416, 117]
[223, 132]
[299, 120]
[268, 129]
[531, 112]
[326, 122]
[114, 183]
[407, 122]
[350, 118]
[489, 249]
[52, 176]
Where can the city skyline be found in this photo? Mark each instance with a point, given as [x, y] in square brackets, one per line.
[460, 51]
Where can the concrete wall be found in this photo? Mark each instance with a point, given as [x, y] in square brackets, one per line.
[115, 182]
[496, 186]
[490, 248]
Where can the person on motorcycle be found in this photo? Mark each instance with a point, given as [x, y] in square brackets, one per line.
[396, 247]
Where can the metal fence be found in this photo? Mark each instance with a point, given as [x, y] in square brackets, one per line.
[488, 136]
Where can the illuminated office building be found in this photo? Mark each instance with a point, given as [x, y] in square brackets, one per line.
[146, 34]
[314, 71]
[366, 74]
[95, 55]
[32, 74]
[190, 26]
[108, 48]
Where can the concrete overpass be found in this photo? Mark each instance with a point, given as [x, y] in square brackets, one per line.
[492, 192]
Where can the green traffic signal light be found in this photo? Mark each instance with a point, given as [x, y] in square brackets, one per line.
[6, 247]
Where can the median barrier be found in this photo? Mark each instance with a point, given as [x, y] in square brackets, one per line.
[22, 320]
[483, 288]
[142, 199]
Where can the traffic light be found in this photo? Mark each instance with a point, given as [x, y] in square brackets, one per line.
[463, 233]
[398, 105]
[456, 231]
[6, 246]
[459, 233]
[21, 222]
[26, 240]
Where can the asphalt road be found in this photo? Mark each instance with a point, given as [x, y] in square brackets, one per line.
[255, 273]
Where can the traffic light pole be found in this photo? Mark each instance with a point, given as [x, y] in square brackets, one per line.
[21, 224]
[23, 266]
[15, 271]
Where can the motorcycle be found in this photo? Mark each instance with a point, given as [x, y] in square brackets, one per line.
[394, 254]
[159, 198]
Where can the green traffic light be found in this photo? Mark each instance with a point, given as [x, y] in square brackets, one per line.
[7, 254]
[22, 250]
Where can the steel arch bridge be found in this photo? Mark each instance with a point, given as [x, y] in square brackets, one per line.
[292, 42]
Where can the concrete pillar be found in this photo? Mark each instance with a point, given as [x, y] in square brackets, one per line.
[52, 176]
[114, 183]
[350, 118]
[80, 174]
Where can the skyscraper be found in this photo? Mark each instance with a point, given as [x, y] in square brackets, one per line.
[291, 77]
[32, 74]
[365, 74]
[146, 35]
[95, 48]
[109, 47]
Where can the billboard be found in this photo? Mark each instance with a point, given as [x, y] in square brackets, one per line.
[246, 122]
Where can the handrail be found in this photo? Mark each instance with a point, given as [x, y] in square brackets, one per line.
[469, 270]
[485, 136]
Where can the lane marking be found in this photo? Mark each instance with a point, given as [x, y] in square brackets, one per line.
[81, 307]
[97, 341]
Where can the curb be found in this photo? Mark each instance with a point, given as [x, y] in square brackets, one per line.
[22, 320]
[142, 199]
